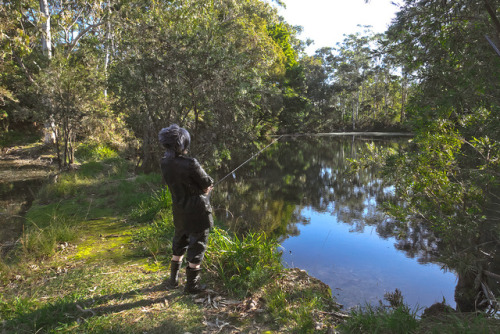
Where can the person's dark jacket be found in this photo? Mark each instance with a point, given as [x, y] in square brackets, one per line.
[187, 181]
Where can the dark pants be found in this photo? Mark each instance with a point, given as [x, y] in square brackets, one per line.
[194, 242]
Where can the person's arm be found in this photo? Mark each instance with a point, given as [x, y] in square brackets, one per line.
[201, 178]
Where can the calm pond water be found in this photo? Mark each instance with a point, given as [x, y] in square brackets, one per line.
[18, 186]
[329, 221]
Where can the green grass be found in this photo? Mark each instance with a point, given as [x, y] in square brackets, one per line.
[459, 324]
[91, 300]
[42, 242]
[105, 191]
[381, 319]
[156, 206]
[300, 315]
[95, 152]
[242, 264]
[401, 319]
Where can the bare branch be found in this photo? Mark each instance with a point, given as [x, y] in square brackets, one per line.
[82, 33]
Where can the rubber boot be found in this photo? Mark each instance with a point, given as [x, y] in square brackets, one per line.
[173, 281]
[193, 285]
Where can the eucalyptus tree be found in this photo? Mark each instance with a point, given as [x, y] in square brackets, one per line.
[44, 40]
[353, 66]
[324, 114]
[352, 85]
[202, 64]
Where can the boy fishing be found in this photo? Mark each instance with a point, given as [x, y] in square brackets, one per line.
[189, 186]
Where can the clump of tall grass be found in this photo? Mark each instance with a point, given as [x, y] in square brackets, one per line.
[41, 242]
[379, 319]
[4, 272]
[398, 317]
[243, 264]
[67, 185]
[89, 175]
[157, 204]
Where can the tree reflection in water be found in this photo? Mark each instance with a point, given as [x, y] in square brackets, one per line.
[272, 192]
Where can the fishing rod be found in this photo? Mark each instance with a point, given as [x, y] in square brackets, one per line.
[253, 156]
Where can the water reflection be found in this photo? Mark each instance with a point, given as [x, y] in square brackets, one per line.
[18, 186]
[329, 222]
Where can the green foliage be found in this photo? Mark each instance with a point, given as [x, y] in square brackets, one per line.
[202, 65]
[280, 33]
[456, 72]
[243, 264]
[94, 152]
[354, 86]
[397, 320]
[459, 324]
[70, 91]
[431, 180]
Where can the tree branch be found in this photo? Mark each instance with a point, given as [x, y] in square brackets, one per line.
[82, 33]
[493, 15]
[23, 67]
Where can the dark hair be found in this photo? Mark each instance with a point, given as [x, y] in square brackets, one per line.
[175, 138]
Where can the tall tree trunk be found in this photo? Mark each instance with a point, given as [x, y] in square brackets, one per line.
[46, 36]
[108, 47]
[49, 135]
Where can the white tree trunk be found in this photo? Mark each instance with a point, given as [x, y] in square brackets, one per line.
[49, 134]
[46, 36]
[108, 47]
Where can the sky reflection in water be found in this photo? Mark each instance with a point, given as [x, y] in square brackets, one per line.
[329, 223]
[361, 267]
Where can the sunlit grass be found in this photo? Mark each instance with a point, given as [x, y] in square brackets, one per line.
[94, 152]
[381, 319]
[242, 264]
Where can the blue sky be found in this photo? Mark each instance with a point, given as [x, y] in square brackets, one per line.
[326, 21]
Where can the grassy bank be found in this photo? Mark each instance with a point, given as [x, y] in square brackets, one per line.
[95, 252]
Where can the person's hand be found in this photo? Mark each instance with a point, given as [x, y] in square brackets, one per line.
[208, 190]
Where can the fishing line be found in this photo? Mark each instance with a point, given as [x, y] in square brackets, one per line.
[253, 156]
